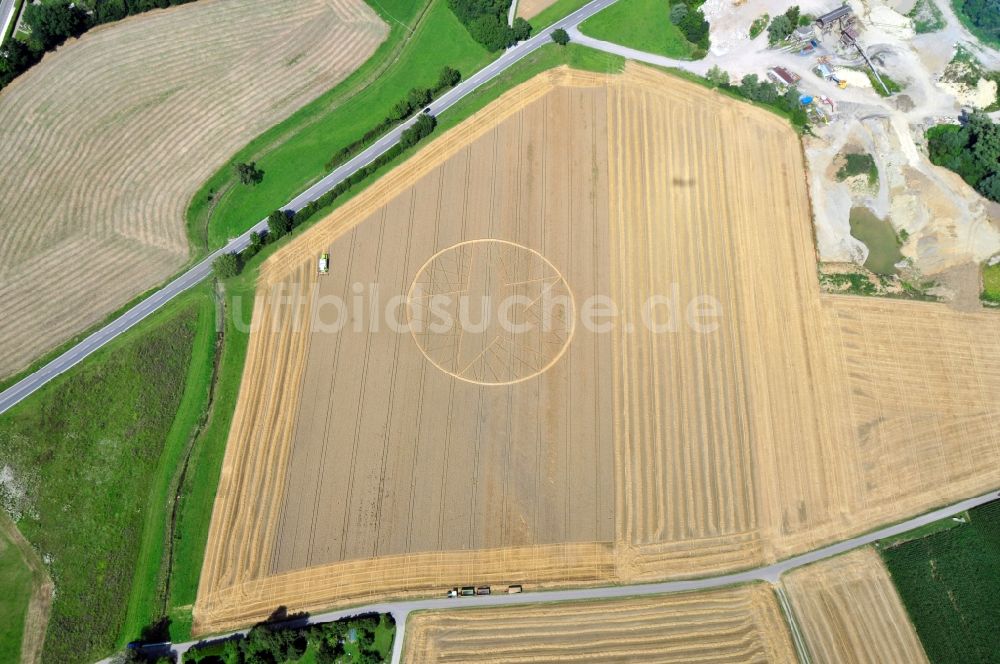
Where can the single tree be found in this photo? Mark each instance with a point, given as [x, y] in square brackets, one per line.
[226, 266]
[793, 15]
[448, 78]
[780, 28]
[256, 241]
[560, 36]
[521, 30]
[678, 12]
[279, 224]
[717, 76]
[249, 173]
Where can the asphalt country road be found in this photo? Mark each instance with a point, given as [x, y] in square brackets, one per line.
[203, 270]
[6, 16]
[770, 574]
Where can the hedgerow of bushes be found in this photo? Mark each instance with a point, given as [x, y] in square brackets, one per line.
[415, 99]
[486, 21]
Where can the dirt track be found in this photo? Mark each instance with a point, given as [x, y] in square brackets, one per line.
[849, 611]
[800, 420]
[107, 140]
[734, 625]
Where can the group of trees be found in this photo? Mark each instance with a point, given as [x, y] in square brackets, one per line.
[688, 17]
[415, 99]
[971, 150]
[249, 173]
[984, 16]
[486, 21]
[560, 36]
[784, 25]
[54, 21]
[273, 644]
[763, 92]
[413, 134]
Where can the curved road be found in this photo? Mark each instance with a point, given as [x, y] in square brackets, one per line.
[30, 383]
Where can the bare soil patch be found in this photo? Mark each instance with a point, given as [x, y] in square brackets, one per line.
[530, 8]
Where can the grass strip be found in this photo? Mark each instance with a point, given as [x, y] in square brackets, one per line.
[640, 24]
[87, 451]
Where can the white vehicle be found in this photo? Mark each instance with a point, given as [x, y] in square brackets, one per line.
[324, 263]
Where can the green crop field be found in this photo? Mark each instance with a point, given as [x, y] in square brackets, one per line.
[640, 24]
[950, 583]
[294, 153]
[94, 452]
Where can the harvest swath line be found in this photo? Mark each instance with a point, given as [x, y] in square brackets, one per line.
[32, 382]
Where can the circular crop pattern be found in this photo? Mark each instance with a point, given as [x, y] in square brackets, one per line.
[491, 312]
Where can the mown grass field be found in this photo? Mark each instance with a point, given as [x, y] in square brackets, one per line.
[950, 584]
[95, 453]
[293, 154]
[554, 12]
[641, 24]
[17, 582]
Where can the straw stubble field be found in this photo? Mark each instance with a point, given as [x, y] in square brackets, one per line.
[849, 611]
[107, 140]
[741, 624]
[366, 465]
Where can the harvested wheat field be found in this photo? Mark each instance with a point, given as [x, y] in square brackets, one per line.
[107, 140]
[740, 624]
[849, 611]
[761, 420]
[530, 8]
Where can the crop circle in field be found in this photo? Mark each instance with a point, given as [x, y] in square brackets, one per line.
[491, 312]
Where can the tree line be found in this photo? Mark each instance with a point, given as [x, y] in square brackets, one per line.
[764, 92]
[53, 22]
[688, 17]
[972, 150]
[486, 21]
[271, 643]
[282, 222]
[415, 99]
[984, 15]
